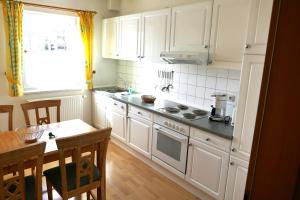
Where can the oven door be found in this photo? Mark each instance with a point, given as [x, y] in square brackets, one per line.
[170, 147]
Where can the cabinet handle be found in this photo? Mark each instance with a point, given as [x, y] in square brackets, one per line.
[142, 57]
[233, 149]
[122, 107]
[231, 163]
[115, 104]
[117, 54]
[190, 144]
[247, 46]
[205, 46]
[139, 113]
[207, 139]
[139, 57]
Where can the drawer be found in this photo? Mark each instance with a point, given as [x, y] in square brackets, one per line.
[141, 113]
[118, 106]
[209, 138]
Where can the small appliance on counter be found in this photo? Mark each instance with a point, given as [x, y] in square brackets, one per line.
[218, 112]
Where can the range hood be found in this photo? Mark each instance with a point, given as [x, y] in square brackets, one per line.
[181, 57]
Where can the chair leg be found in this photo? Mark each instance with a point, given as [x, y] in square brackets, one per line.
[49, 189]
[88, 195]
[101, 193]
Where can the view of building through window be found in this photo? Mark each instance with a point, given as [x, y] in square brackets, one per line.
[53, 52]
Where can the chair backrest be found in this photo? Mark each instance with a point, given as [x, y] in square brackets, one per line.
[8, 109]
[83, 149]
[14, 188]
[36, 105]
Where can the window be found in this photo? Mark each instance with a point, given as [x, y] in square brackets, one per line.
[53, 52]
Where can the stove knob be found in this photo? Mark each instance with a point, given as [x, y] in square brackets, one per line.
[177, 128]
[173, 126]
[166, 123]
[181, 129]
[170, 124]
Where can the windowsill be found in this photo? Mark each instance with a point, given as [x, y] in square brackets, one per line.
[29, 92]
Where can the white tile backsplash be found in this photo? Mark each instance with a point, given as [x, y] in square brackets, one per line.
[192, 84]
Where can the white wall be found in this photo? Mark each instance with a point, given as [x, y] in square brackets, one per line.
[106, 69]
[135, 6]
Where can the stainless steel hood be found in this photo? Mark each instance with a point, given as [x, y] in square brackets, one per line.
[181, 57]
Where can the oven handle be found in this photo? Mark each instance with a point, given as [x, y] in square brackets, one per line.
[175, 137]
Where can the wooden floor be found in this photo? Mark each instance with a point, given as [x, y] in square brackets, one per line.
[128, 178]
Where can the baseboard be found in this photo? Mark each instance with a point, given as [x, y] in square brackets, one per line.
[176, 179]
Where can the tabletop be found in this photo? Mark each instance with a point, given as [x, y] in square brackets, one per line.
[10, 140]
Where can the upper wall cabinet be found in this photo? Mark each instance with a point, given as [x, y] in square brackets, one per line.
[110, 38]
[258, 26]
[155, 33]
[190, 30]
[130, 37]
[229, 31]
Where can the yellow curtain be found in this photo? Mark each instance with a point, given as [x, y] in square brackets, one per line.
[13, 13]
[87, 33]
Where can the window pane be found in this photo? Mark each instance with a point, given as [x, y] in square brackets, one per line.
[53, 52]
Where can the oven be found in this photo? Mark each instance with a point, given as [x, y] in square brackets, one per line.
[170, 146]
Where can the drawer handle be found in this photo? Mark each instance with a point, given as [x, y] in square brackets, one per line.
[115, 104]
[122, 107]
[233, 149]
[139, 113]
[231, 163]
[207, 139]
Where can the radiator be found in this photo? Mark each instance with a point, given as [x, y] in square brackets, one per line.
[71, 108]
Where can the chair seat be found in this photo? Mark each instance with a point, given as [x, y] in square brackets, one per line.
[30, 187]
[54, 176]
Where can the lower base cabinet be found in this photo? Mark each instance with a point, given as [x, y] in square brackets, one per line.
[140, 135]
[117, 122]
[237, 177]
[207, 168]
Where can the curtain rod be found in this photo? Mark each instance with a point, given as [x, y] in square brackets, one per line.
[52, 7]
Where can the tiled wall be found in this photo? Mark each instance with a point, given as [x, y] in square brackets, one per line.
[193, 84]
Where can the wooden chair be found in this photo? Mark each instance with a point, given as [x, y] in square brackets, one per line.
[81, 175]
[8, 109]
[19, 186]
[46, 104]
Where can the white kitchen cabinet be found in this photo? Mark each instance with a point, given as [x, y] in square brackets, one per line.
[258, 26]
[251, 78]
[130, 27]
[140, 135]
[100, 104]
[236, 181]
[207, 168]
[190, 29]
[228, 33]
[110, 39]
[155, 34]
[117, 121]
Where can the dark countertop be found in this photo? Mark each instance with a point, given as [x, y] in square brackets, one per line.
[217, 128]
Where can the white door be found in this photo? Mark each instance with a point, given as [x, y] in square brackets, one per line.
[258, 26]
[236, 181]
[207, 168]
[190, 30]
[110, 38]
[118, 124]
[140, 135]
[228, 33]
[155, 34]
[251, 77]
[130, 37]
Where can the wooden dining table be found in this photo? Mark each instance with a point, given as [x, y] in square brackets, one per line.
[10, 140]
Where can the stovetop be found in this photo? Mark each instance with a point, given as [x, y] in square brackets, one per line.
[184, 112]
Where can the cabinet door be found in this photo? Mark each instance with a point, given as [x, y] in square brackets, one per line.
[110, 38]
[140, 135]
[236, 181]
[190, 30]
[251, 77]
[228, 33]
[155, 34]
[207, 168]
[118, 124]
[100, 115]
[258, 26]
[130, 37]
